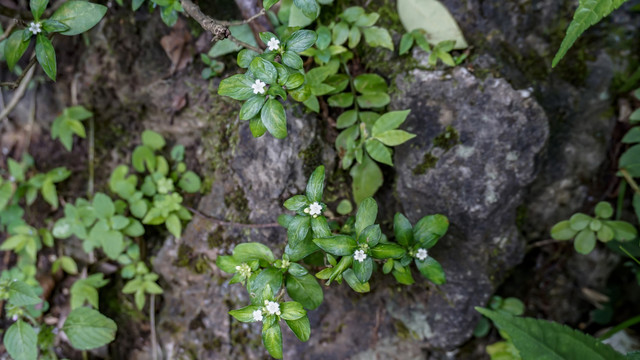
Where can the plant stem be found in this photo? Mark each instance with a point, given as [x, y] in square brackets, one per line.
[14, 84]
[152, 320]
[629, 254]
[620, 327]
[630, 180]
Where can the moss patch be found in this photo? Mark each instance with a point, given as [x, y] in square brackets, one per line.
[428, 161]
[448, 139]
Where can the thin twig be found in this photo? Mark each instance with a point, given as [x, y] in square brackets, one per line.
[14, 84]
[219, 29]
[229, 223]
[19, 93]
[630, 180]
[242, 22]
[542, 243]
[8, 31]
[152, 320]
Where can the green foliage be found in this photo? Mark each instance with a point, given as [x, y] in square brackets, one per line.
[349, 255]
[69, 123]
[586, 229]
[433, 18]
[71, 18]
[589, 13]
[540, 339]
[88, 329]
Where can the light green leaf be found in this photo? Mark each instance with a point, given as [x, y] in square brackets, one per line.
[245, 314]
[153, 139]
[366, 215]
[49, 193]
[246, 252]
[22, 294]
[403, 230]
[88, 329]
[343, 100]
[237, 87]
[563, 231]
[585, 241]
[373, 100]
[541, 339]
[379, 152]
[430, 229]
[79, 16]
[370, 84]
[301, 328]
[339, 245]
[394, 137]
[298, 229]
[388, 251]
[354, 283]
[272, 336]
[20, 340]
[367, 179]
[340, 33]
[406, 43]
[315, 185]
[378, 37]
[309, 8]
[589, 13]
[190, 182]
[434, 18]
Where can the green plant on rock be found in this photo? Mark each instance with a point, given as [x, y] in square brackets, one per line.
[169, 9]
[350, 255]
[71, 18]
[586, 229]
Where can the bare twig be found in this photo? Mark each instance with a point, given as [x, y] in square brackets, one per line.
[14, 84]
[229, 223]
[7, 32]
[219, 29]
[242, 22]
[28, 74]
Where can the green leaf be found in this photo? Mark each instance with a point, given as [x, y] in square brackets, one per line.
[388, 251]
[406, 43]
[579, 221]
[379, 152]
[305, 290]
[563, 231]
[363, 269]
[174, 225]
[373, 100]
[103, 206]
[22, 294]
[298, 229]
[429, 229]
[367, 179]
[20, 340]
[79, 16]
[246, 252]
[603, 210]
[310, 9]
[370, 84]
[315, 185]
[49, 193]
[344, 207]
[245, 57]
[296, 203]
[339, 245]
[340, 33]
[403, 230]
[226, 46]
[257, 127]
[153, 140]
[541, 339]
[272, 338]
[633, 136]
[292, 310]
[347, 119]
[143, 156]
[434, 18]
[431, 269]
[136, 4]
[301, 328]
[354, 283]
[589, 13]
[623, 230]
[14, 48]
[634, 118]
[267, 4]
[513, 306]
[274, 118]
[237, 87]
[190, 182]
[630, 161]
[343, 100]
[320, 227]
[263, 70]
[355, 35]
[378, 37]
[394, 137]
[37, 8]
[366, 215]
[245, 314]
[352, 14]
[46, 56]
[585, 241]
[112, 243]
[88, 329]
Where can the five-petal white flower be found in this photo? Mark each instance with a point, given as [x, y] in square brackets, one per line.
[244, 270]
[257, 315]
[273, 44]
[359, 255]
[35, 28]
[272, 307]
[315, 209]
[258, 87]
[422, 254]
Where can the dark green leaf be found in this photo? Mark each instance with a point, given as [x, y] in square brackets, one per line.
[292, 310]
[354, 283]
[379, 152]
[296, 203]
[301, 328]
[340, 33]
[190, 182]
[88, 329]
[14, 48]
[246, 252]
[429, 229]
[53, 26]
[263, 70]
[298, 229]
[310, 9]
[274, 118]
[339, 245]
[343, 100]
[406, 43]
[432, 270]
[315, 185]
[366, 215]
[378, 37]
[370, 84]
[363, 269]
[245, 314]
[22, 294]
[403, 230]
[237, 87]
[245, 57]
[388, 251]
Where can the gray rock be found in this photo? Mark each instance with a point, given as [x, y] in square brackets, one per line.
[474, 157]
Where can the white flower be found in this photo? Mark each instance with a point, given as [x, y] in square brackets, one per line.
[244, 270]
[359, 255]
[315, 209]
[257, 315]
[35, 28]
[272, 307]
[422, 254]
[273, 44]
[258, 87]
